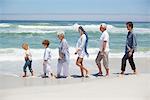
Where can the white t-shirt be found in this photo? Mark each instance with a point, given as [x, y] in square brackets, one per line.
[104, 37]
[27, 53]
[47, 54]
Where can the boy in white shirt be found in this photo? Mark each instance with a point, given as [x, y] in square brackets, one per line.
[28, 59]
[46, 60]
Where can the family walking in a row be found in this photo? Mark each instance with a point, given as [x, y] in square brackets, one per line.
[81, 51]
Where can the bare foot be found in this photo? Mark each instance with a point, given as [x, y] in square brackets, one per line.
[32, 74]
[122, 73]
[24, 76]
[134, 72]
[107, 72]
[87, 76]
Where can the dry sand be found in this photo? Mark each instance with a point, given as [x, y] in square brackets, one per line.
[114, 87]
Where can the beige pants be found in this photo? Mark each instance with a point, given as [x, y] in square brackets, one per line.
[103, 57]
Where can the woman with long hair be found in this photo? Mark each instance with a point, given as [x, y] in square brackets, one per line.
[81, 50]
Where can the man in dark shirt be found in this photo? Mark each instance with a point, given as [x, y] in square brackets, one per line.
[130, 48]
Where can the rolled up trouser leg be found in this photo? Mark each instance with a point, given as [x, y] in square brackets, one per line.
[98, 59]
[106, 60]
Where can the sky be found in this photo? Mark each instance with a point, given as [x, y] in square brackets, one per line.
[111, 10]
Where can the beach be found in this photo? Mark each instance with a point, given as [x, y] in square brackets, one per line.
[113, 87]
[122, 88]
[39, 37]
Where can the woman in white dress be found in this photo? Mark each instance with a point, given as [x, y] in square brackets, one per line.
[81, 50]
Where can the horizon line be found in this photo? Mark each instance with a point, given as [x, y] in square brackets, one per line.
[74, 14]
[71, 20]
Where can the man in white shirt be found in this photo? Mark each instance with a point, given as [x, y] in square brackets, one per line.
[104, 50]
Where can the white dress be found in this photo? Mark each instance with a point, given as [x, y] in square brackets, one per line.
[81, 45]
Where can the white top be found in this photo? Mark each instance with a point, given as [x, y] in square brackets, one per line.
[81, 44]
[64, 48]
[104, 37]
[27, 53]
[47, 54]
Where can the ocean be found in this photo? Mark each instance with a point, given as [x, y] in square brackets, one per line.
[14, 33]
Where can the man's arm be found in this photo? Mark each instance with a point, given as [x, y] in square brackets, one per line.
[104, 46]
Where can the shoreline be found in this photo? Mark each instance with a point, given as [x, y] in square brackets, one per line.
[3, 21]
[15, 67]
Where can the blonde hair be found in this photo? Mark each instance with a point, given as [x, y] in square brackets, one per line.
[25, 46]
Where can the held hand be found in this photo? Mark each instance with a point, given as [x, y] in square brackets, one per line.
[130, 53]
[59, 58]
[129, 49]
[102, 53]
[45, 61]
[26, 58]
[61, 55]
[75, 53]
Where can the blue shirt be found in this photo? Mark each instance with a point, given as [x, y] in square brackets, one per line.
[131, 42]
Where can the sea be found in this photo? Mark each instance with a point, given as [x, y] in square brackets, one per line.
[14, 33]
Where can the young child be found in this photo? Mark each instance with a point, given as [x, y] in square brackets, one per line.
[63, 60]
[28, 59]
[46, 60]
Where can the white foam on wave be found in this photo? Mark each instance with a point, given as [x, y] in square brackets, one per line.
[4, 25]
[27, 31]
[74, 27]
[124, 30]
[51, 29]
[15, 54]
[46, 27]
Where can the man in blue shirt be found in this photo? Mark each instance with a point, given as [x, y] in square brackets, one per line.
[130, 48]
